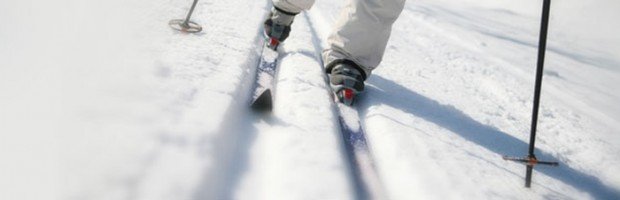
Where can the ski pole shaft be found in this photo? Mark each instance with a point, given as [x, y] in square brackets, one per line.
[542, 45]
[189, 14]
[528, 176]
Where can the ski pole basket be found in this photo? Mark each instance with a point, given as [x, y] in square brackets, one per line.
[186, 25]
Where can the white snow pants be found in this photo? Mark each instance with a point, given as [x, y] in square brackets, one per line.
[361, 32]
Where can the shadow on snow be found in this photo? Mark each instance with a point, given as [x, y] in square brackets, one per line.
[486, 136]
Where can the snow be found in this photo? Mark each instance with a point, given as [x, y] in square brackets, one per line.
[102, 100]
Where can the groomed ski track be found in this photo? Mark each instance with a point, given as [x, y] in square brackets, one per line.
[451, 97]
[293, 120]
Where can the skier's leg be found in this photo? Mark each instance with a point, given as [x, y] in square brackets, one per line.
[293, 6]
[361, 34]
[278, 24]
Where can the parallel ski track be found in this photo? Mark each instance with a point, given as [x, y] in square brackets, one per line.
[236, 133]
[364, 174]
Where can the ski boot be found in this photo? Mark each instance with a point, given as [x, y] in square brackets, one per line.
[278, 26]
[346, 80]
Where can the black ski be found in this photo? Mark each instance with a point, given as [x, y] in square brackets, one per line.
[264, 85]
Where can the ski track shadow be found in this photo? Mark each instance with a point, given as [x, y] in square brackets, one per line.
[235, 137]
[390, 93]
[232, 153]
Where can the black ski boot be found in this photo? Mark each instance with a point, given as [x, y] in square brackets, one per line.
[346, 80]
[278, 26]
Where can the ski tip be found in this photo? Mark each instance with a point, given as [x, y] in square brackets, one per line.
[263, 103]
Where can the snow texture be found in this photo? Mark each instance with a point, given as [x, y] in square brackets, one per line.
[102, 100]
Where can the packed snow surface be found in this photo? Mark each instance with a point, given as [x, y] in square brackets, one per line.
[102, 100]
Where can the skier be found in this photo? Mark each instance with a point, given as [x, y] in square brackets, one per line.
[356, 44]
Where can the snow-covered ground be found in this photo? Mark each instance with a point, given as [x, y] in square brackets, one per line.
[102, 100]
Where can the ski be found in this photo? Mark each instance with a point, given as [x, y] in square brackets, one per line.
[264, 85]
[364, 171]
[366, 180]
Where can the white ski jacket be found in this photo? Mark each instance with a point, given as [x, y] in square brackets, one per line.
[361, 32]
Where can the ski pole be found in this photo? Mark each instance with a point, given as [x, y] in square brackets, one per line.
[186, 25]
[531, 159]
